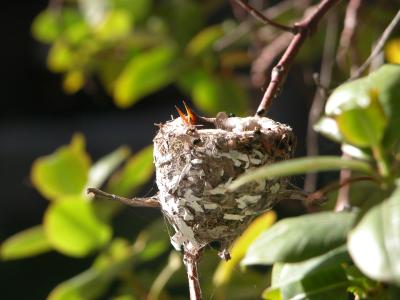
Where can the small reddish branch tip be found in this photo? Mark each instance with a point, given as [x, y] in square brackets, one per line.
[301, 30]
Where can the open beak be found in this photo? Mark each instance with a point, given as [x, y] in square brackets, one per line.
[191, 118]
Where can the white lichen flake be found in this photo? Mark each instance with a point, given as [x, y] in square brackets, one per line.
[195, 165]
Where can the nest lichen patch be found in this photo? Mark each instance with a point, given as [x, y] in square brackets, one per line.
[194, 167]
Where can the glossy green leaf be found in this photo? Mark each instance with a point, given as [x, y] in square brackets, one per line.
[355, 94]
[213, 94]
[300, 238]
[73, 227]
[75, 27]
[46, 26]
[103, 168]
[29, 242]
[226, 268]
[365, 125]
[322, 277]
[136, 172]
[144, 74]
[374, 244]
[328, 127]
[95, 281]
[204, 40]
[65, 172]
[302, 166]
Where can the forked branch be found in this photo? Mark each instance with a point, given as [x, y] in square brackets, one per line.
[136, 202]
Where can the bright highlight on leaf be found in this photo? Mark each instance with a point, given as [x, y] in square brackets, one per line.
[29, 242]
[73, 227]
[392, 51]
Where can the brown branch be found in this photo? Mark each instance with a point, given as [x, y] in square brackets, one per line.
[324, 81]
[347, 35]
[135, 202]
[190, 262]
[259, 16]
[379, 46]
[303, 30]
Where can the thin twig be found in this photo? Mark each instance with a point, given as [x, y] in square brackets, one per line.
[190, 262]
[259, 16]
[135, 202]
[303, 30]
[347, 35]
[379, 46]
[320, 96]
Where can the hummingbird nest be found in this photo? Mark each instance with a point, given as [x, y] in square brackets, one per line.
[196, 164]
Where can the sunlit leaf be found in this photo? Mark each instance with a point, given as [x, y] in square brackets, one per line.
[204, 40]
[329, 128]
[75, 27]
[322, 277]
[374, 244]
[73, 228]
[240, 246]
[136, 172]
[138, 9]
[364, 125]
[73, 81]
[29, 242]
[103, 168]
[46, 26]
[144, 74]
[116, 25]
[95, 281]
[65, 172]
[301, 166]
[392, 51]
[213, 94]
[60, 58]
[300, 238]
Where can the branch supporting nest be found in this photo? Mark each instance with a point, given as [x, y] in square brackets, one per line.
[191, 262]
[151, 202]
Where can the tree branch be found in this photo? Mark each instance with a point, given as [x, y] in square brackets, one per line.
[190, 262]
[379, 46]
[259, 16]
[135, 202]
[303, 30]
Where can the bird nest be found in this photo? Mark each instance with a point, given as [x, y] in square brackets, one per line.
[195, 166]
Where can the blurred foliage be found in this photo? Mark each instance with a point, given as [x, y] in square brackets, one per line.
[135, 48]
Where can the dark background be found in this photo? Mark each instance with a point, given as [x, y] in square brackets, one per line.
[36, 117]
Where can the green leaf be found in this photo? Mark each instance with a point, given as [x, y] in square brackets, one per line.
[116, 25]
[75, 27]
[328, 127]
[374, 244]
[321, 277]
[144, 74]
[136, 172]
[95, 281]
[103, 168]
[302, 166]
[225, 268]
[213, 94]
[73, 228]
[65, 172]
[27, 243]
[138, 9]
[300, 238]
[46, 26]
[60, 58]
[204, 40]
[365, 125]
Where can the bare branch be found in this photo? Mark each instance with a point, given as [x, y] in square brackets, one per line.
[259, 16]
[320, 96]
[135, 202]
[190, 262]
[379, 46]
[303, 30]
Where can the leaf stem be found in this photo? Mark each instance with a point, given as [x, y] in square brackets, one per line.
[381, 161]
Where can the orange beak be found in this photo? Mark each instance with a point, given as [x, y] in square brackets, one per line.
[191, 118]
